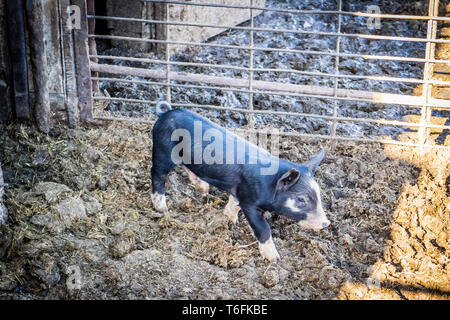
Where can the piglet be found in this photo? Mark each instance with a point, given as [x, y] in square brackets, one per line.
[256, 180]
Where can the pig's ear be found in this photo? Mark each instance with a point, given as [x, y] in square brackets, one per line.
[287, 180]
[314, 162]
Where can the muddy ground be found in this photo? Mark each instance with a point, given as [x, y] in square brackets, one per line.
[82, 225]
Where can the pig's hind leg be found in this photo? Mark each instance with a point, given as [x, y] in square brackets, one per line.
[160, 170]
[232, 209]
[198, 183]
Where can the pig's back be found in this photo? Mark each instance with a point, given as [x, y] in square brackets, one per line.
[239, 160]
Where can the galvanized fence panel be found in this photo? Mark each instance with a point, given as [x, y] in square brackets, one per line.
[169, 78]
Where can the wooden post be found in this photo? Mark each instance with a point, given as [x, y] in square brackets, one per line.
[381, 97]
[35, 15]
[82, 68]
[69, 66]
[16, 32]
[6, 97]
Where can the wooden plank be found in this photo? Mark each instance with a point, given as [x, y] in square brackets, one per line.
[69, 66]
[380, 97]
[35, 15]
[6, 97]
[82, 69]
[52, 38]
[16, 32]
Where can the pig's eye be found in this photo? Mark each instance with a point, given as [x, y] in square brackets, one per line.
[300, 201]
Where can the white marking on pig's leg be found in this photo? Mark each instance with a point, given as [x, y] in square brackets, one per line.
[198, 183]
[232, 209]
[268, 250]
[159, 202]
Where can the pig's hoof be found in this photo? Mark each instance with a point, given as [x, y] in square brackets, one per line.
[232, 209]
[203, 187]
[198, 183]
[159, 202]
[231, 213]
[268, 250]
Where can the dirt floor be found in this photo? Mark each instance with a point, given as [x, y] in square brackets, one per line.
[82, 225]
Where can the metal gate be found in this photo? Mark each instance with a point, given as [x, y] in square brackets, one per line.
[253, 83]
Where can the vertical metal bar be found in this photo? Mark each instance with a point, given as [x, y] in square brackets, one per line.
[92, 45]
[3, 209]
[425, 112]
[250, 78]
[336, 71]
[168, 92]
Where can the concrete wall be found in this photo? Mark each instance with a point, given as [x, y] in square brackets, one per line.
[179, 13]
[132, 9]
[207, 15]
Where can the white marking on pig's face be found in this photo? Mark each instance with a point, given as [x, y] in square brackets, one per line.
[159, 202]
[305, 204]
[290, 204]
[268, 250]
[316, 220]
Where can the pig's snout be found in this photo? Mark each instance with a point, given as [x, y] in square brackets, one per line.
[315, 224]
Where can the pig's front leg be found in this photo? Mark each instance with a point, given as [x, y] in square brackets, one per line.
[262, 232]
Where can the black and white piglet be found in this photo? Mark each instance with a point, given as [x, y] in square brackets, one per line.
[256, 180]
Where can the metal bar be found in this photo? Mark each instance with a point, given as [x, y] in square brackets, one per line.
[433, 10]
[90, 8]
[320, 33]
[285, 113]
[356, 14]
[291, 134]
[265, 92]
[250, 76]
[336, 72]
[168, 91]
[329, 53]
[226, 89]
[306, 73]
[316, 91]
